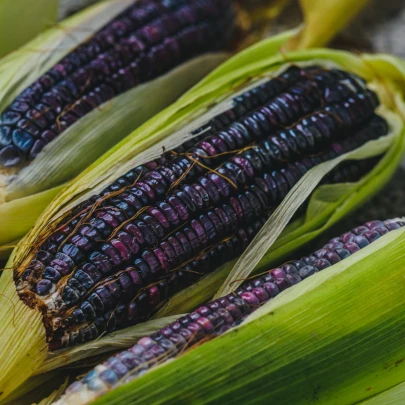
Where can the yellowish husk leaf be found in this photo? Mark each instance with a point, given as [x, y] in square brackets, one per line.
[22, 338]
[323, 20]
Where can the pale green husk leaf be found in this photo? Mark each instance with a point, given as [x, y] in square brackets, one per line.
[21, 20]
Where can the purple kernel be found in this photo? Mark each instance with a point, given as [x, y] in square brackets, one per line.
[146, 343]
[371, 236]
[206, 324]
[351, 247]
[250, 298]
[10, 156]
[43, 287]
[271, 289]
[261, 294]
[278, 273]
[282, 283]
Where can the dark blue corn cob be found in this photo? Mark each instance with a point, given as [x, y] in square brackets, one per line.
[216, 317]
[145, 41]
[256, 114]
[132, 294]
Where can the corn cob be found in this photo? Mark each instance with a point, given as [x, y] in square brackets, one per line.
[72, 271]
[217, 317]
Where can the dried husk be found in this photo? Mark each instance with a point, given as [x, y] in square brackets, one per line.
[383, 73]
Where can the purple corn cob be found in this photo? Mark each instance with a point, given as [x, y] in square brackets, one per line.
[216, 317]
[146, 40]
[98, 299]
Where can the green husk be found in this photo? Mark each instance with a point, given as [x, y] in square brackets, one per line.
[136, 148]
[21, 20]
[331, 340]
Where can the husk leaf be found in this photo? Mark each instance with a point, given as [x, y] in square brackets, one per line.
[21, 20]
[136, 149]
[295, 349]
[323, 20]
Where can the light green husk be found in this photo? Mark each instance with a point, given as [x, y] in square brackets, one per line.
[382, 72]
